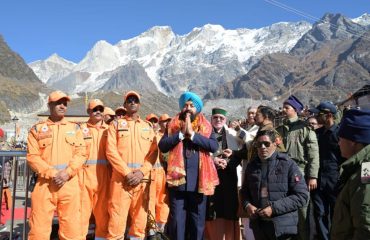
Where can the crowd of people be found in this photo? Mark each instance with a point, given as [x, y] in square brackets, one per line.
[189, 177]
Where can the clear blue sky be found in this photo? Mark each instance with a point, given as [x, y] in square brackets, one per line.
[38, 28]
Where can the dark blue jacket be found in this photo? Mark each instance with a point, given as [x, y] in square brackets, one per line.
[287, 191]
[191, 155]
[330, 157]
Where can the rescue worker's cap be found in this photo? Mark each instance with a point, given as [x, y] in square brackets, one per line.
[120, 109]
[326, 107]
[57, 95]
[218, 110]
[94, 103]
[355, 126]
[131, 93]
[190, 96]
[109, 111]
[151, 116]
[295, 103]
[164, 117]
[1, 133]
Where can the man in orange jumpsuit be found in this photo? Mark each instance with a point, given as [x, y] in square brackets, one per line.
[96, 172]
[132, 151]
[109, 115]
[158, 200]
[56, 152]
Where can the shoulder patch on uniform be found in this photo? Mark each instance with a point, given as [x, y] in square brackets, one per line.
[365, 172]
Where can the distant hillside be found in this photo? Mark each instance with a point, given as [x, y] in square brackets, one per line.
[20, 87]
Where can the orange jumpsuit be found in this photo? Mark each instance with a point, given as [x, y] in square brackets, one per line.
[52, 147]
[158, 202]
[131, 145]
[95, 178]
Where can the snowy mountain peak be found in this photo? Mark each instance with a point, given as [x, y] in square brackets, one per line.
[55, 58]
[363, 20]
[102, 57]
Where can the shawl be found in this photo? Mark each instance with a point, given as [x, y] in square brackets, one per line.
[208, 178]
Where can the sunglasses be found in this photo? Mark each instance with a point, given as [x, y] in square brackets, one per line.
[100, 109]
[132, 99]
[263, 143]
[218, 117]
[62, 102]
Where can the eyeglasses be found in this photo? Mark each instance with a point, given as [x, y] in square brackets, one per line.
[61, 102]
[132, 99]
[218, 117]
[100, 109]
[263, 143]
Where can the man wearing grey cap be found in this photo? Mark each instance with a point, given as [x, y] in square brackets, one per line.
[352, 209]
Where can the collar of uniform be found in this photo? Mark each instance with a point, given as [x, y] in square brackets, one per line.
[62, 122]
[103, 125]
[292, 120]
[130, 119]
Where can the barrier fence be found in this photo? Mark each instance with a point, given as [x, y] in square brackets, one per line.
[16, 178]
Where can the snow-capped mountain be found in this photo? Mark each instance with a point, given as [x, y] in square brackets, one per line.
[53, 67]
[363, 20]
[205, 56]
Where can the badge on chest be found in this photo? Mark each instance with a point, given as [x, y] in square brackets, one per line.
[365, 172]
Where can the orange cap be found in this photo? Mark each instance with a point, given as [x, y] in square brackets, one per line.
[120, 108]
[94, 103]
[131, 93]
[57, 95]
[151, 116]
[164, 117]
[108, 111]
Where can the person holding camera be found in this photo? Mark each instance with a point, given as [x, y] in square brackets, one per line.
[272, 191]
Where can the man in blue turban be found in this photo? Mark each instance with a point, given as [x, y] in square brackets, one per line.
[191, 173]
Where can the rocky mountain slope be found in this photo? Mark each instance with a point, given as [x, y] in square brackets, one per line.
[328, 62]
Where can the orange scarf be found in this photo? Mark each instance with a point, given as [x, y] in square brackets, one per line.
[208, 178]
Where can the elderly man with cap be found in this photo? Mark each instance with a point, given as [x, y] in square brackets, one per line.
[132, 150]
[223, 205]
[323, 198]
[191, 173]
[96, 172]
[158, 199]
[352, 209]
[301, 145]
[56, 152]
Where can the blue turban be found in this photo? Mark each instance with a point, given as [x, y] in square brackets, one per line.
[190, 96]
[295, 103]
[355, 126]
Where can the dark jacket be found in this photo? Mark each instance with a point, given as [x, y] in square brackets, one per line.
[287, 191]
[352, 209]
[191, 155]
[330, 157]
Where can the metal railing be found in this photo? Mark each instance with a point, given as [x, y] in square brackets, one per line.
[19, 179]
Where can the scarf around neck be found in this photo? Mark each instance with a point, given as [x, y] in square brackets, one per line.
[208, 178]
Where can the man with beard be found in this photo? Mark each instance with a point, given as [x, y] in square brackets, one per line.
[56, 152]
[223, 205]
[96, 172]
[132, 151]
[191, 174]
